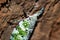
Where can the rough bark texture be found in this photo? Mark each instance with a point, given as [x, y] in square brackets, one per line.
[48, 25]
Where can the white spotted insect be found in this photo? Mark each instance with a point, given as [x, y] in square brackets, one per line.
[25, 27]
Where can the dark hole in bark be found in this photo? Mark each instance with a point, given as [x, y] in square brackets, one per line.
[58, 23]
[36, 0]
[10, 23]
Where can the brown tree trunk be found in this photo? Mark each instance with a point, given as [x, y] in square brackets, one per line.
[48, 25]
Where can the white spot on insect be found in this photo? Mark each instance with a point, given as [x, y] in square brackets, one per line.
[15, 31]
[21, 26]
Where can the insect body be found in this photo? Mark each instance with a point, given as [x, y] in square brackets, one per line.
[25, 27]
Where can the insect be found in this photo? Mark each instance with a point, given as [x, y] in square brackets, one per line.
[25, 27]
